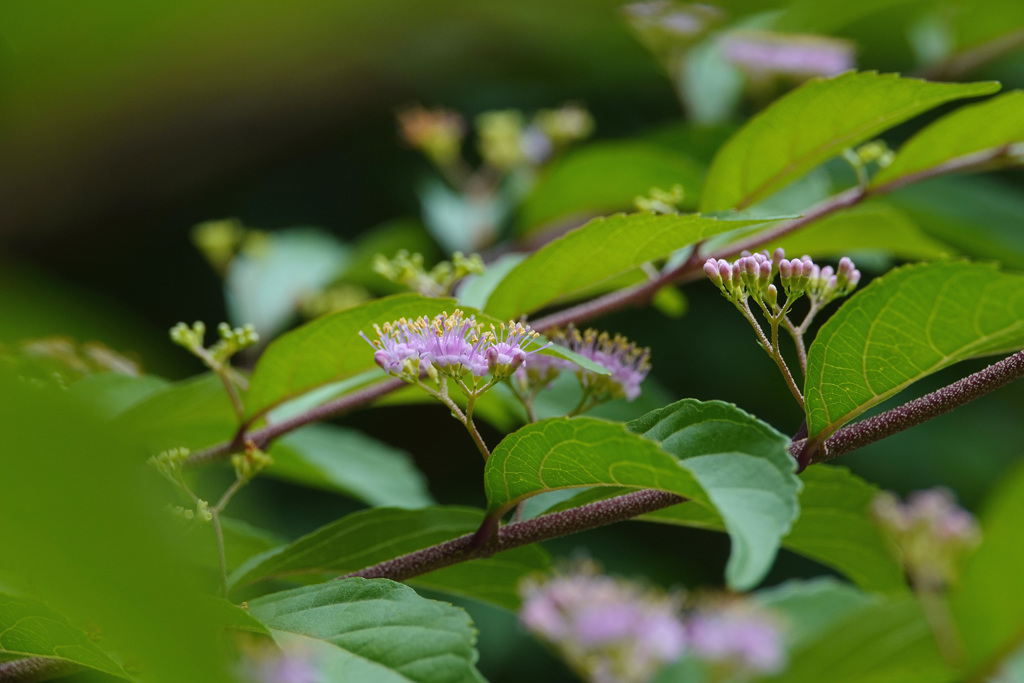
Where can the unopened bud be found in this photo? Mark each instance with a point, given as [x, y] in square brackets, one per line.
[785, 269]
[711, 270]
[772, 296]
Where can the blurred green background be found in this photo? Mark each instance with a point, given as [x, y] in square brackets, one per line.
[125, 123]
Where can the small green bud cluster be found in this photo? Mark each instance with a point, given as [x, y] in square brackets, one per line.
[169, 463]
[408, 269]
[661, 202]
[876, 152]
[191, 338]
[232, 340]
[250, 462]
[202, 513]
[931, 534]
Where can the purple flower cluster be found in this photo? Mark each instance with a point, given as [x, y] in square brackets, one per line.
[930, 531]
[614, 631]
[764, 54]
[752, 275]
[454, 345]
[609, 631]
[627, 362]
[737, 636]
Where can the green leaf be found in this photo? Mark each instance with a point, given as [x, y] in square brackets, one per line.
[329, 349]
[365, 538]
[814, 123]
[836, 529]
[755, 494]
[110, 393]
[880, 642]
[597, 251]
[904, 326]
[604, 177]
[753, 488]
[241, 541]
[995, 123]
[978, 216]
[874, 226]
[192, 413]
[809, 607]
[348, 462]
[377, 630]
[988, 603]
[29, 628]
[264, 285]
[228, 615]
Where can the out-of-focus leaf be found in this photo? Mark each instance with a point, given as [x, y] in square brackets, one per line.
[597, 251]
[350, 463]
[387, 240]
[993, 124]
[475, 289]
[462, 222]
[988, 603]
[809, 607]
[977, 216]
[836, 528]
[265, 284]
[228, 615]
[904, 326]
[749, 491]
[875, 226]
[191, 413]
[377, 630]
[365, 538]
[95, 552]
[28, 628]
[604, 177]
[241, 541]
[879, 642]
[111, 393]
[710, 85]
[814, 123]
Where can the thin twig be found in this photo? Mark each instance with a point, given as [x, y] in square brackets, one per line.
[263, 436]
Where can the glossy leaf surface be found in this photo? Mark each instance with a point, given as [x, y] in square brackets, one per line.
[814, 123]
[905, 326]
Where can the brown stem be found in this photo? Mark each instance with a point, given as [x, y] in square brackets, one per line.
[554, 525]
[263, 436]
[36, 669]
[864, 432]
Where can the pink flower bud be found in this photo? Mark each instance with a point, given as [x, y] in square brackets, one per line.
[711, 270]
[785, 268]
